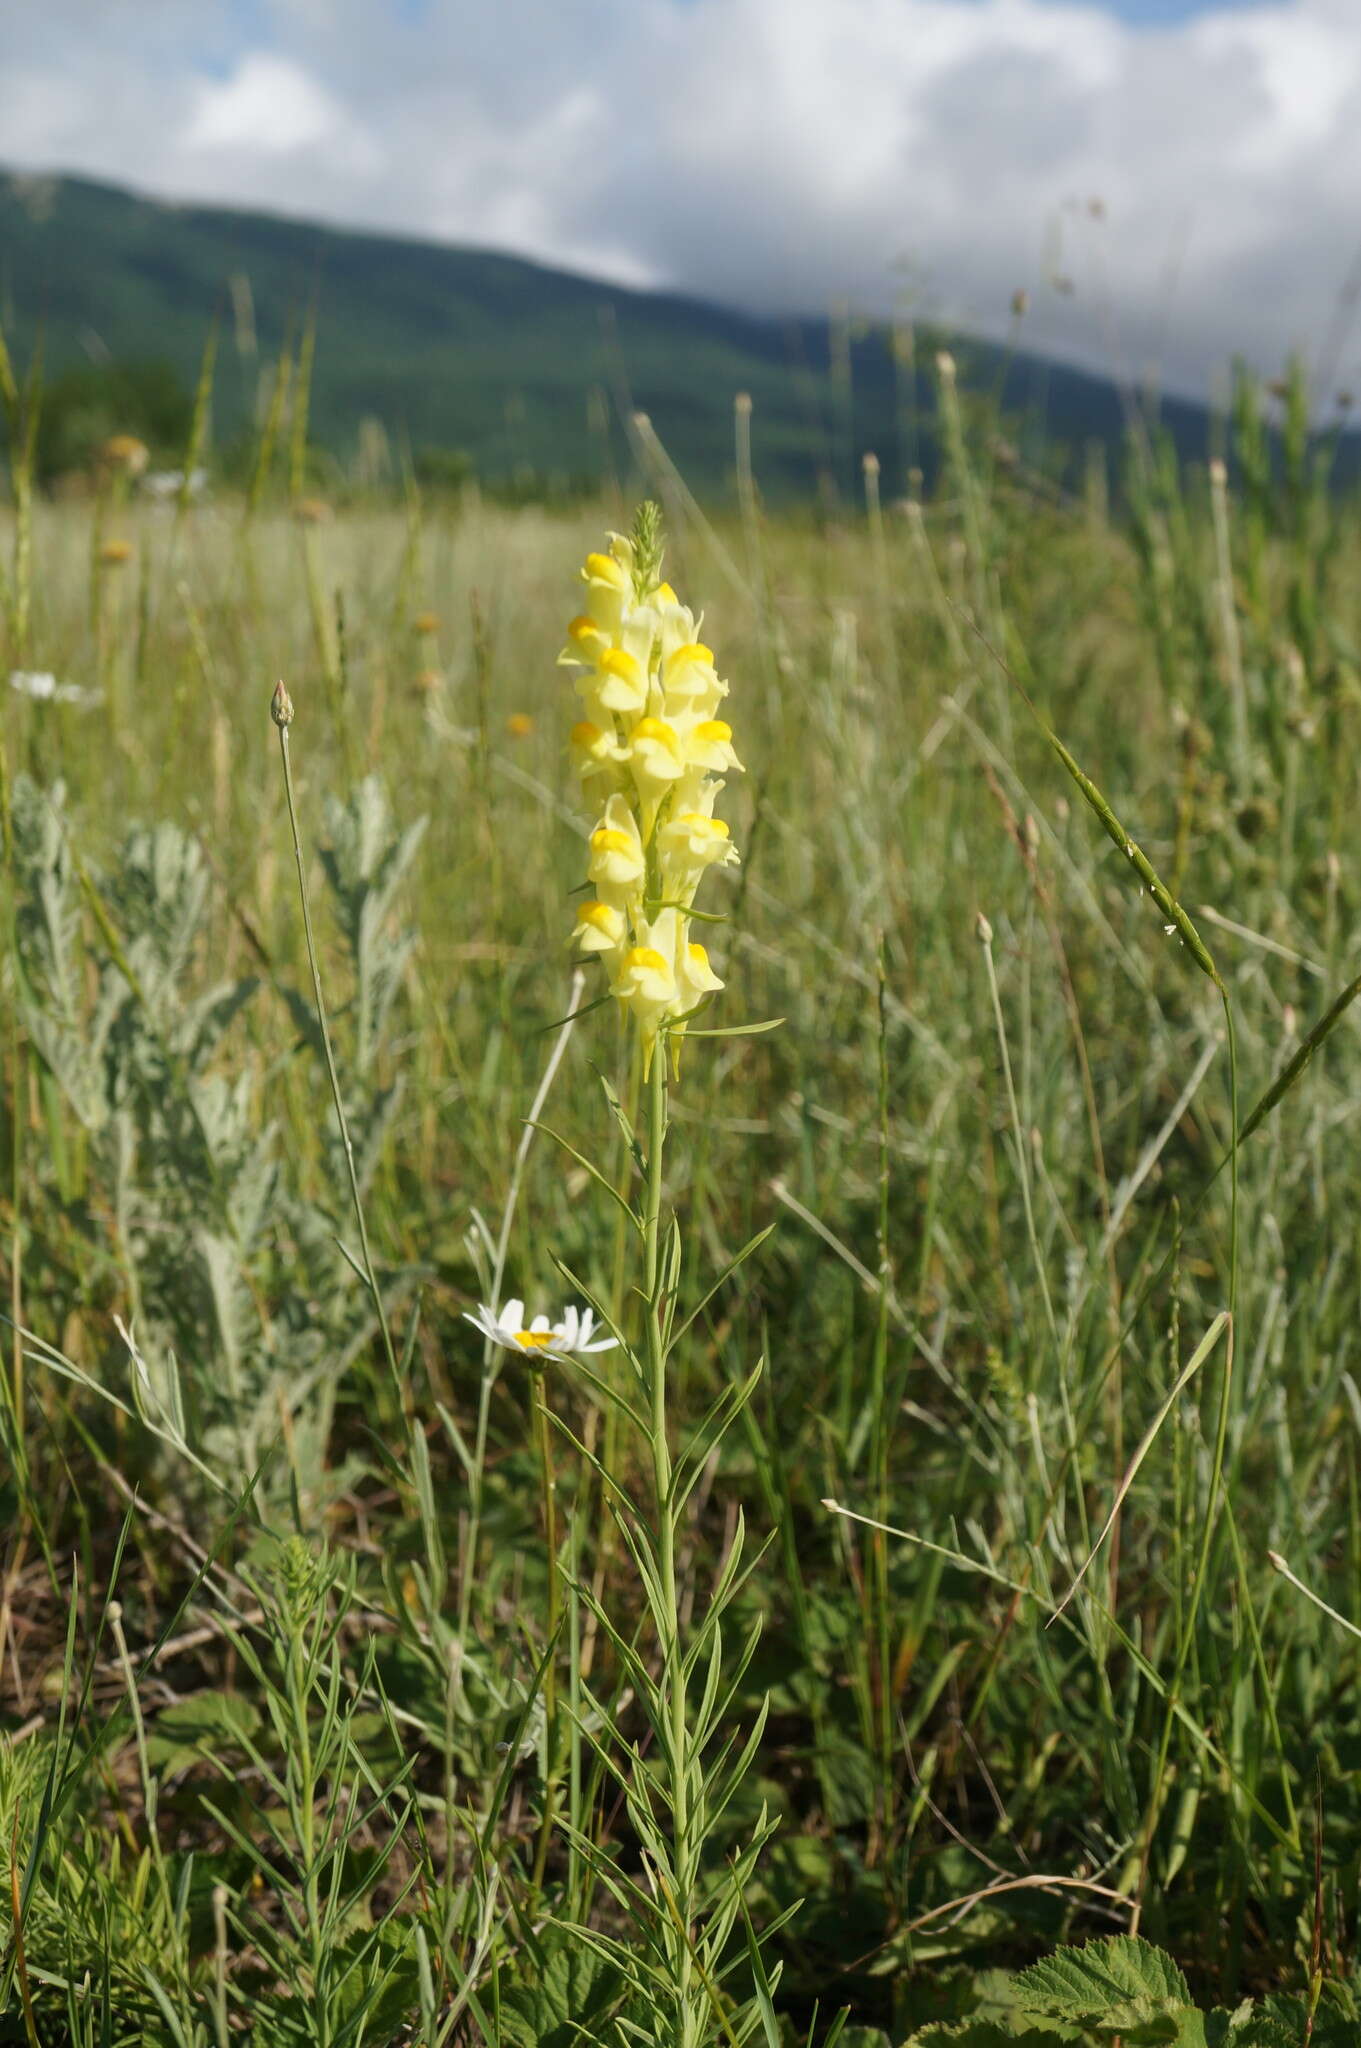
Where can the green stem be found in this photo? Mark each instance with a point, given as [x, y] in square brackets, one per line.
[673, 1669]
[306, 1820]
[878, 1587]
[341, 1120]
[1218, 1493]
[552, 1749]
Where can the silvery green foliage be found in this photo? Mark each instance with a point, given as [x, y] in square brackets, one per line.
[244, 1310]
[67, 1032]
[366, 862]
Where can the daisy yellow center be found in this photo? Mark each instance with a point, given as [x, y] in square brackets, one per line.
[534, 1340]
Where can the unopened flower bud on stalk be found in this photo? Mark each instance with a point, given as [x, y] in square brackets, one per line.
[281, 706]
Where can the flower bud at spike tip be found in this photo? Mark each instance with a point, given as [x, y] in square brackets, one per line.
[983, 930]
[281, 706]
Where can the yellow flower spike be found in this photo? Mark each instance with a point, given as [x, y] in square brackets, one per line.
[650, 736]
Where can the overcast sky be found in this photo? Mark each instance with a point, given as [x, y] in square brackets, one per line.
[1172, 181]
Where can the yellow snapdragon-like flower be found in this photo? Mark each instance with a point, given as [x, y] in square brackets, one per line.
[652, 752]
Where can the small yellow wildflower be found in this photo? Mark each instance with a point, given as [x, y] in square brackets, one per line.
[115, 552]
[125, 452]
[519, 725]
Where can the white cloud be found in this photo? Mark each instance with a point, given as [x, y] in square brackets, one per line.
[266, 104]
[778, 154]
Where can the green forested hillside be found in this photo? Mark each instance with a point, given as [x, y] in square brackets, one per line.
[526, 369]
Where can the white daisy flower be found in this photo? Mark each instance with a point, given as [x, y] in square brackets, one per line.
[571, 1337]
[576, 1332]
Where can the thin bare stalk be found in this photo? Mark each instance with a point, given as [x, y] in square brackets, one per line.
[281, 711]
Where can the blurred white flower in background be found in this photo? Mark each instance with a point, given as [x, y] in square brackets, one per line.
[42, 686]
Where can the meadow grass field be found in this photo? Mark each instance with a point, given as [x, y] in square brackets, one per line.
[364, 1680]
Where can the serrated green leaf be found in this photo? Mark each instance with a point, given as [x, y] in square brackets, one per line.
[1120, 1984]
[1251, 2028]
[989, 2033]
[568, 1998]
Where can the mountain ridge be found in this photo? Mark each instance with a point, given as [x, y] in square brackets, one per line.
[527, 368]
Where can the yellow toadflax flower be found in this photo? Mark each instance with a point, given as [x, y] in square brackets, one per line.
[652, 754]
